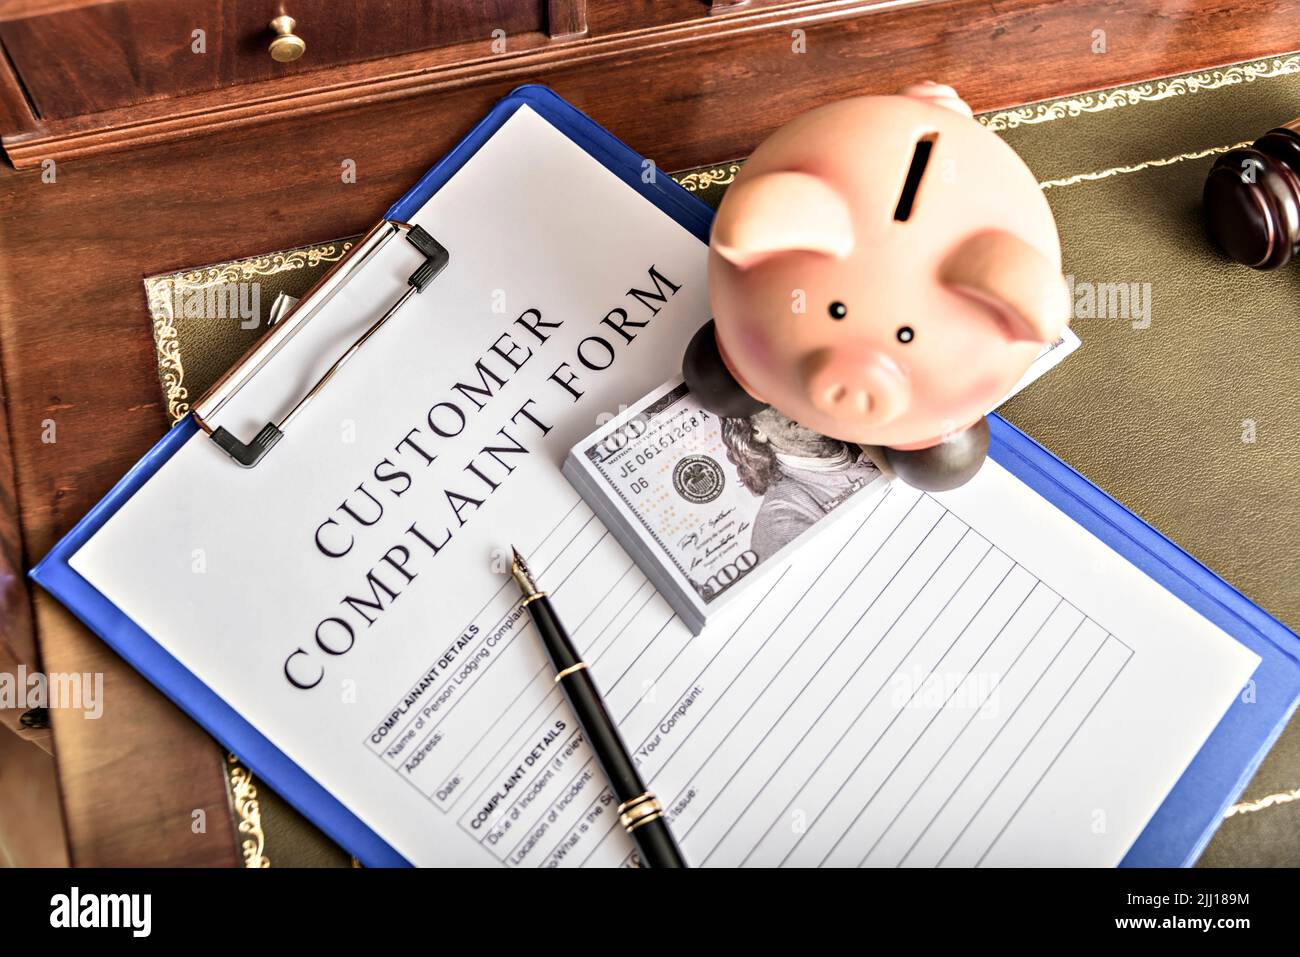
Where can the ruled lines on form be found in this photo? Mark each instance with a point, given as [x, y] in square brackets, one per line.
[912, 721]
[898, 703]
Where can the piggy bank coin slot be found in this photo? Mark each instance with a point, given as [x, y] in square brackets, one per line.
[920, 160]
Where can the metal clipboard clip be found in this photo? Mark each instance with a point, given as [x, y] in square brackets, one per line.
[248, 454]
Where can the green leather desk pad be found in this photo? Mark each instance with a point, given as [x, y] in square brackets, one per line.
[1188, 413]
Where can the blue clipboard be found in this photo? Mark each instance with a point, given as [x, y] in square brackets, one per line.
[1176, 833]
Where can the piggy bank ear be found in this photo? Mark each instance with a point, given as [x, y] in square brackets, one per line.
[781, 212]
[938, 94]
[1013, 279]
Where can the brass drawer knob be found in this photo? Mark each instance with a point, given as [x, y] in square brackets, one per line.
[287, 45]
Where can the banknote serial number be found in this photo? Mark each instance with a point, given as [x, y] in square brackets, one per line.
[623, 438]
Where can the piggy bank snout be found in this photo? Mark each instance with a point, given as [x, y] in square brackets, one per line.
[861, 385]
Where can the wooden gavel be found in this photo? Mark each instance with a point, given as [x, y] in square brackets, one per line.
[1252, 200]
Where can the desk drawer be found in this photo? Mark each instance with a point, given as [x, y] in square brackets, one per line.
[106, 55]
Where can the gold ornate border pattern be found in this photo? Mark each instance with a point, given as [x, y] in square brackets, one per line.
[703, 179]
[248, 811]
[162, 292]
[1138, 167]
[1151, 92]
[1271, 800]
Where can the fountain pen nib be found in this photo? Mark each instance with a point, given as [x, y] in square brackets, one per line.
[522, 576]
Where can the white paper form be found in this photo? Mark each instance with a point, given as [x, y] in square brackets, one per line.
[964, 679]
[957, 679]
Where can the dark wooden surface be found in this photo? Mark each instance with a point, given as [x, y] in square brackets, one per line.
[17, 637]
[118, 54]
[17, 640]
[75, 342]
[15, 109]
[707, 57]
[31, 827]
[566, 18]
[100, 95]
[15, 626]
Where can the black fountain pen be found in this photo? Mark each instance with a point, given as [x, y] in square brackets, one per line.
[639, 810]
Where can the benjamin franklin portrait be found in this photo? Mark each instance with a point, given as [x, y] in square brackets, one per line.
[800, 474]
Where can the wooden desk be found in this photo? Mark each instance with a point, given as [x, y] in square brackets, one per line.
[75, 347]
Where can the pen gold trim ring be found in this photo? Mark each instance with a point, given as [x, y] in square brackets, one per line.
[572, 668]
[641, 813]
[643, 796]
[645, 820]
[532, 598]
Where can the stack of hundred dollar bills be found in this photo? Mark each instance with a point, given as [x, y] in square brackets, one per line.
[708, 506]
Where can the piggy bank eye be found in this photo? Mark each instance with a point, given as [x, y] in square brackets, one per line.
[838, 310]
[905, 334]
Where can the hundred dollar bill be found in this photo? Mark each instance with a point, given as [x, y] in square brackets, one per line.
[708, 505]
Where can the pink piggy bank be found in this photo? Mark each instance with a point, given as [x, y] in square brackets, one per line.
[883, 271]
